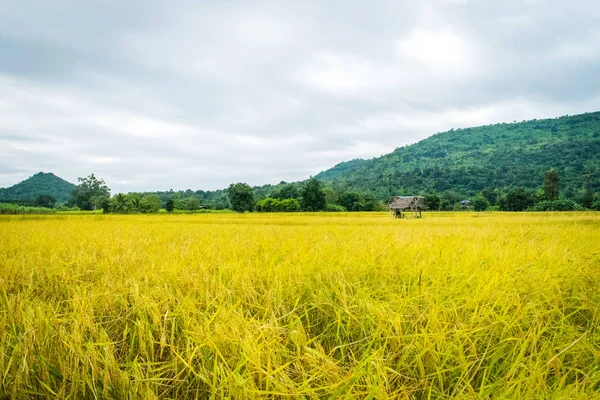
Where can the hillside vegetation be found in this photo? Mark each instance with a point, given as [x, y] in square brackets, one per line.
[466, 161]
[37, 185]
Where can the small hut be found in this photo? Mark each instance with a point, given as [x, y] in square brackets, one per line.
[398, 204]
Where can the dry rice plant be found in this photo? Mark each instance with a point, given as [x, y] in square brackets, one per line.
[465, 305]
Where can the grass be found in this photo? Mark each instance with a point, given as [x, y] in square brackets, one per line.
[469, 305]
[14, 209]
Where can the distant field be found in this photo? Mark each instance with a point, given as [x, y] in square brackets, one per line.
[469, 305]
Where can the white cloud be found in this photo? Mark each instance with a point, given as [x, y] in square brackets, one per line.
[152, 96]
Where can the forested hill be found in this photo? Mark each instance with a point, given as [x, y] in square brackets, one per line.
[501, 156]
[38, 185]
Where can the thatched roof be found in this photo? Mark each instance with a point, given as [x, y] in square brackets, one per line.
[404, 202]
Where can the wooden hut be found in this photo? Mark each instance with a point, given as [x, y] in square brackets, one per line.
[398, 204]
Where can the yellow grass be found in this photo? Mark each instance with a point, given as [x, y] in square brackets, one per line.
[308, 305]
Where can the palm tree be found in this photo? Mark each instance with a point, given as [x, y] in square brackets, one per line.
[119, 203]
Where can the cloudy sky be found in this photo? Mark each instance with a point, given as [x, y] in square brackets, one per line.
[152, 95]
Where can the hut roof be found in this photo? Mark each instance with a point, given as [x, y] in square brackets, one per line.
[402, 202]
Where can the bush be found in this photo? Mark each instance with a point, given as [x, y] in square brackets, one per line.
[596, 205]
[557, 205]
[334, 208]
[275, 205]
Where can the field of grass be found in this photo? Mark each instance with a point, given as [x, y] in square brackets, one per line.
[469, 305]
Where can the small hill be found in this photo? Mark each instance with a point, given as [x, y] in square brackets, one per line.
[37, 185]
[468, 160]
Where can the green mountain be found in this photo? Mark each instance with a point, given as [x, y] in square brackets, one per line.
[37, 185]
[465, 161]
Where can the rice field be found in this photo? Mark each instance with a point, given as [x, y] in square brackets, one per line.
[456, 305]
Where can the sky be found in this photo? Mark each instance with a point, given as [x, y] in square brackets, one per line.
[154, 95]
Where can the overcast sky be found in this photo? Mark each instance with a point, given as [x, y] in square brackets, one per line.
[153, 95]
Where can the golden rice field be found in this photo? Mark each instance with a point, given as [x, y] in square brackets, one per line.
[456, 305]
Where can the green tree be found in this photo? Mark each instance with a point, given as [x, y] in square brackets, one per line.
[192, 203]
[119, 203]
[45, 200]
[150, 203]
[551, 185]
[135, 202]
[348, 199]
[331, 197]
[169, 205]
[518, 199]
[586, 198]
[313, 196]
[90, 193]
[241, 197]
[287, 191]
[290, 205]
[480, 202]
[432, 202]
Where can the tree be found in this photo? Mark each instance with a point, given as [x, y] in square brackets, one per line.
[491, 195]
[241, 197]
[517, 200]
[551, 185]
[287, 191]
[480, 202]
[313, 196]
[135, 201]
[90, 193]
[348, 199]
[119, 203]
[432, 202]
[170, 205]
[45, 200]
[192, 203]
[331, 197]
[150, 203]
[586, 198]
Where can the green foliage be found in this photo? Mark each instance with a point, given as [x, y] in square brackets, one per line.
[38, 185]
[557, 205]
[13, 209]
[46, 201]
[596, 205]
[334, 208]
[518, 199]
[348, 199]
[192, 203]
[170, 205]
[90, 193]
[150, 203]
[120, 203]
[467, 161]
[287, 191]
[450, 200]
[276, 205]
[480, 202]
[331, 196]
[586, 198]
[313, 196]
[241, 197]
[432, 202]
[551, 185]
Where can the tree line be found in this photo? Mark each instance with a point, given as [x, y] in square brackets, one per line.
[92, 193]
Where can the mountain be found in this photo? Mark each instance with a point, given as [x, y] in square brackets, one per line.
[501, 156]
[36, 185]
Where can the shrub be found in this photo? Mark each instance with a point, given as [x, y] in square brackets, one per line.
[275, 205]
[596, 205]
[334, 208]
[557, 205]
